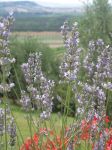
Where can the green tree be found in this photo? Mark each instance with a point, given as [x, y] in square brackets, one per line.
[97, 21]
[103, 15]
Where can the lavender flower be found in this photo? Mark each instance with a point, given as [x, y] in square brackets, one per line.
[1, 122]
[107, 86]
[12, 132]
[32, 69]
[98, 65]
[70, 146]
[100, 42]
[5, 59]
[70, 64]
[25, 101]
[6, 87]
[64, 31]
[39, 89]
[5, 66]
[100, 144]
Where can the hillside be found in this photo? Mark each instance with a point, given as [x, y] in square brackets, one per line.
[20, 7]
[31, 16]
[32, 7]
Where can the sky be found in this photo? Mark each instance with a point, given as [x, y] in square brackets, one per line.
[60, 3]
[57, 3]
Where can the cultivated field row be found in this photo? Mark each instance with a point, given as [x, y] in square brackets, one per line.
[53, 39]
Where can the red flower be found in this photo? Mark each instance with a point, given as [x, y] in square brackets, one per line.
[52, 142]
[43, 131]
[36, 139]
[27, 144]
[50, 145]
[85, 136]
[95, 121]
[109, 144]
[106, 119]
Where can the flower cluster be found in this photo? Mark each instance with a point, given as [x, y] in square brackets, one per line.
[1, 122]
[12, 132]
[5, 59]
[70, 65]
[98, 139]
[10, 126]
[97, 64]
[91, 94]
[91, 132]
[7, 125]
[39, 89]
[51, 141]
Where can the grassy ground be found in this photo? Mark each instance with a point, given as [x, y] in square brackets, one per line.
[20, 117]
[23, 129]
[56, 123]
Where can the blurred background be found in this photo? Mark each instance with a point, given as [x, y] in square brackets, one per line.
[43, 18]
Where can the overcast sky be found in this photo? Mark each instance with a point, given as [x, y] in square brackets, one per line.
[56, 2]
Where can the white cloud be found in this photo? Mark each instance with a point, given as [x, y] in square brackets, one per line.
[57, 2]
[61, 2]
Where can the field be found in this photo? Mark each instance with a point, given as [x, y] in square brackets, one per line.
[52, 39]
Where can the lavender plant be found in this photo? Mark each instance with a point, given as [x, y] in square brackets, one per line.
[6, 85]
[39, 89]
[90, 95]
[92, 100]
[69, 71]
[98, 65]
[70, 65]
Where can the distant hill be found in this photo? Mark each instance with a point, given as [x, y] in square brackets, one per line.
[32, 7]
[20, 6]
